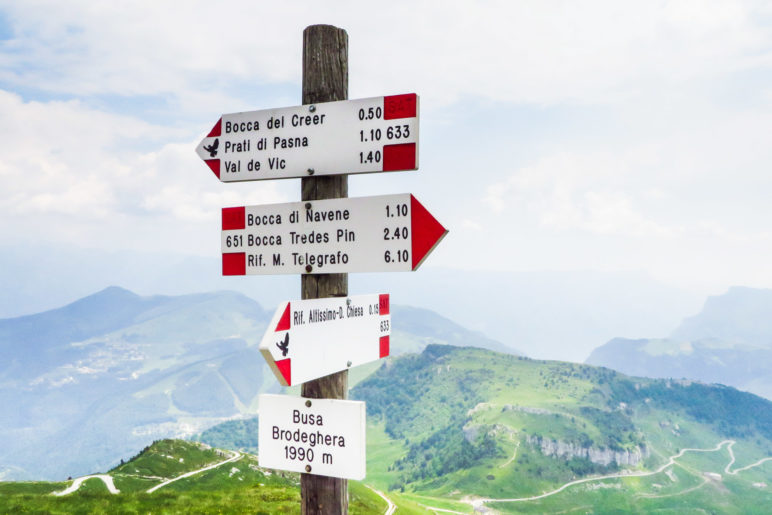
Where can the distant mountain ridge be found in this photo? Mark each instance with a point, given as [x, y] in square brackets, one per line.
[742, 315]
[729, 342]
[93, 381]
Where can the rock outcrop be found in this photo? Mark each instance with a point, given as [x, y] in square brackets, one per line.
[597, 455]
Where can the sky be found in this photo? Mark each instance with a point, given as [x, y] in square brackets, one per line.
[599, 136]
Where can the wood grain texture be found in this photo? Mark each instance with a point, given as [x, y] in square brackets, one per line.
[325, 79]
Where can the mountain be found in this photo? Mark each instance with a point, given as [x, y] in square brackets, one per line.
[460, 428]
[464, 429]
[742, 315]
[92, 381]
[546, 314]
[728, 342]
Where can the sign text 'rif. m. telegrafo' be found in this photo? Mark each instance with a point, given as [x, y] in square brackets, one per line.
[388, 233]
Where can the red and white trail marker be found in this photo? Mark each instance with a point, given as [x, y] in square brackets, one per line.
[309, 339]
[378, 134]
[388, 233]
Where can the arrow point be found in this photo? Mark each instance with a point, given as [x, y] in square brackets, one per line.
[214, 165]
[426, 230]
[216, 130]
[284, 321]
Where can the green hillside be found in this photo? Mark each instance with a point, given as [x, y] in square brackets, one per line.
[238, 435]
[238, 486]
[465, 429]
[452, 425]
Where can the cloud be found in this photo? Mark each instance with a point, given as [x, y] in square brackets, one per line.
[69, 171]
[569, 191]
[514, 52]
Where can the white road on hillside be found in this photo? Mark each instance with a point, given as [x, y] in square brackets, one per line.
[392, 507]
[108, 481]
[236, 456]
[479, 504]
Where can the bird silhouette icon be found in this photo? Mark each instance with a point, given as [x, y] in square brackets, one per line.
[212, 149]
[284, 346]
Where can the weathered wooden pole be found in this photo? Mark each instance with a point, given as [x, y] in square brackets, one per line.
[325, 79]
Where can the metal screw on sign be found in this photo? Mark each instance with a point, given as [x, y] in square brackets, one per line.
[312, 108]
[310, 171]
[309, 268]
[308, 468]
[308, 404]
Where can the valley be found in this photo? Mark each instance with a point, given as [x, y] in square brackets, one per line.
[452, 426]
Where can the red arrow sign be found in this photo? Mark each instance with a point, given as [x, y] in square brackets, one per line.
[308, 339]
[389, 233]
[366, 135]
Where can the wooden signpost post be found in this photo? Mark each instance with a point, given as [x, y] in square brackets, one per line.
[325, 79]
[315, 340]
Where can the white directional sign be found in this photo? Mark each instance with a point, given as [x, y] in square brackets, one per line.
[317, 436]
[388, 233]
[308, 339]
[378, 134]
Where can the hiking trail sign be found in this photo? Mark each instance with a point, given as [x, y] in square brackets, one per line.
[308, 339]
[317, 436]
[378, 134]
[388, 233]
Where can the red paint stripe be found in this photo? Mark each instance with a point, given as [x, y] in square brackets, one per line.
[284, 321]
[214, 165]
[400, 106]
[285, 367]
[216, 130]
[399, 157]
[383, 304]
[234, 264]
[233, 218]
[425, 230]
[383, 346]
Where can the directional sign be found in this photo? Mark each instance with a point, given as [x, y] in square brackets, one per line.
[378, 134]
[308, 339]
[388, 233]
[317, 436]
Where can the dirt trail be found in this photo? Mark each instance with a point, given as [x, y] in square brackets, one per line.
[107, 480]
[479, 503]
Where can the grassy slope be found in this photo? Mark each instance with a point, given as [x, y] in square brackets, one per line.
[237, 487]
[416, 398]
[418, 406]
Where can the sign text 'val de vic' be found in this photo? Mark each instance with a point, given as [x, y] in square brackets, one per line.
[378, 134]
[388, 233]
[316, 436]
[308, 339]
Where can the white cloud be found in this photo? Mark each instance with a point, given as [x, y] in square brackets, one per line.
[506, 51]
[69, 171]
[662, 134]
[575, 191]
